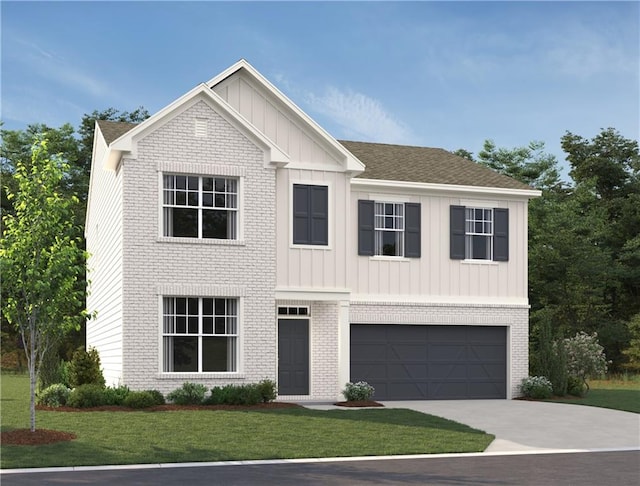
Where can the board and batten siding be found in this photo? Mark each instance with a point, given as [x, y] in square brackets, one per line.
[276, 122]
[435, 276]
[104, 267]
[313, 267]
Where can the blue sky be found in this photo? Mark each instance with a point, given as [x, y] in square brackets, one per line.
[439, 74]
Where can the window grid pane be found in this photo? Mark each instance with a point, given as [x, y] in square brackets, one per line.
[199, 334]
[214, 201]
[479, 234]
[389, 229]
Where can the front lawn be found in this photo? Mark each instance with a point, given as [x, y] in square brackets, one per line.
[619, 394]
[189, 436]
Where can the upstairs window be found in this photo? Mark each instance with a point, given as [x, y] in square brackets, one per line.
[200, 207]
[479, 233]
[389, 229]
[310, 215]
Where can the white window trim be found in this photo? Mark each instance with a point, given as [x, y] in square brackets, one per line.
[170, 375]
[330, 216]
[223, 172]
[403, 231]
[480, 261]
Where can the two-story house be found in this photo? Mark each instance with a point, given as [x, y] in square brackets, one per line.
[233, 239]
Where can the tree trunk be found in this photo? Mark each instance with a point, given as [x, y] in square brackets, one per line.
[32, 374]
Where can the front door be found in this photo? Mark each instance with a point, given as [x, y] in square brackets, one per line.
[293, 356]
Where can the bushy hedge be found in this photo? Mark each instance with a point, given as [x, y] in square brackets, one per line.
[536, 387]
[356, 392]
[85, 396]
[55, 395]
[84, 368]
[248, 394]
[188, 394]
[141, 399]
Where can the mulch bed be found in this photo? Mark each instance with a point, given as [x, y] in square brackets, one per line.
[38, 437]
[171, 408]
[359, 403]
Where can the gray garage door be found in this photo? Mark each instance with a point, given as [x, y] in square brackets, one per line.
[406, 362]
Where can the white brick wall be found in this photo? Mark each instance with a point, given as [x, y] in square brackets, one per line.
[514, 317]
[153, 267]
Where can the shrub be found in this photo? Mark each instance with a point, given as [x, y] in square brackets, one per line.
[248, 394]
[158, 397]
[360, 391]
[140, 399]
[575, 386]
[55, 395]
[268, 390]
[548, 358]
[85, 396]
[85, 368]
[115, 395]
[585, 357]
[536, 387]
[188, 394]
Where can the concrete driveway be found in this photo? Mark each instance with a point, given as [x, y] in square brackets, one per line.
[521, 425]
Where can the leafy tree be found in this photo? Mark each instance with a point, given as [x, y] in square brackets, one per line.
[530, 165]
[41, 256]
[585, 357]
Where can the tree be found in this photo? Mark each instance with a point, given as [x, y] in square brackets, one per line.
[41, 256]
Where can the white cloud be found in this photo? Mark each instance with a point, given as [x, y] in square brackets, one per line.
[359, 116]
[52, 67]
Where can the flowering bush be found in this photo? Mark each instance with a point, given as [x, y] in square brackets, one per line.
[55, 395]
[585, 356]
[536, 387]
[359, 391]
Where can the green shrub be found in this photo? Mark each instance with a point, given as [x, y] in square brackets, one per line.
[51, 369]
[188, 394]
[356, 392]
[115, 395]
[576, 386]
[268, 390]
[248, 394]
[140, 399]
[85, 396]
[536, 387]
[158, 397]
[55, 395]
[85, 368]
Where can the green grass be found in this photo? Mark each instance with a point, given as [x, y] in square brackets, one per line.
[187, 436]
[622, 393]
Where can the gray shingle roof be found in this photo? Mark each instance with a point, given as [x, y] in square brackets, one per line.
[112, 130]
[424, 164]
[394, 162]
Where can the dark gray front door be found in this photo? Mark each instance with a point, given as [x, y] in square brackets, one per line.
[408, 362]
[293, 356]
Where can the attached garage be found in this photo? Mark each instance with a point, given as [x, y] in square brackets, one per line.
[429, 362]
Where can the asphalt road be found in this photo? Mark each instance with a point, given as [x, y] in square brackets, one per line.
[590, 468]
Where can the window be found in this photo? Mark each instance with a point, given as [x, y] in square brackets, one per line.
[479, 233]
[389, 229]
[199, 335]
[293, 311]
[200, 207]
[310, 214]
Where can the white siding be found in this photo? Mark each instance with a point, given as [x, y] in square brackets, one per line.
[313, 268]
[277, 123]
[104, 244]
[434, 276]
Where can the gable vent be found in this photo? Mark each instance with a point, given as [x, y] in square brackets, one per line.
[201, 127]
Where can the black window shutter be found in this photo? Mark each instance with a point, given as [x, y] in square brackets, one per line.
[319, 196]
[301, 213]
[366, 227]
[501, 235]
[412, 230]
[457, 232]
